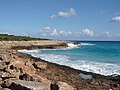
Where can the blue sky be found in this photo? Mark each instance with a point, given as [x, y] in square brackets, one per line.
[62, 19]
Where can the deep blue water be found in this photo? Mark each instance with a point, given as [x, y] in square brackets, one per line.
[93, 56]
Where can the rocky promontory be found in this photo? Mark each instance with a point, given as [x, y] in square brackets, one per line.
[20, 71]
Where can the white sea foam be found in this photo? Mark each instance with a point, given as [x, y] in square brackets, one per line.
[96, 67]
[87, 44]
[71, 45]
[28, 51]
[90, 66]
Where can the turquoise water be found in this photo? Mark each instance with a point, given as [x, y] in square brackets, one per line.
[98, 57]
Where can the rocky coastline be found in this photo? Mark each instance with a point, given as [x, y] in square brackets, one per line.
[20, 71]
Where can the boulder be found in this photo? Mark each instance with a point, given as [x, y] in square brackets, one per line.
[64, 86]
[28, 85]
[29, 68]
[41, 79]
[24, 67]
[40, 65]
[35, 77]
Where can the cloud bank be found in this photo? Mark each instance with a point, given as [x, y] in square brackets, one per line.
[84, 34]
[48, 31]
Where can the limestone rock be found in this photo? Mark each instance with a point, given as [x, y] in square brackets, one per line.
[2, 65]
[37, 78]
[29, 68]
[25, 68]
[6, 83]
[10, 75]
[64, 86]
[28, 85]
[40, 65]
[6, 57]
[41, 79]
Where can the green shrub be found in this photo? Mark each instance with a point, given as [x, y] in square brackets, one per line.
[6, 37]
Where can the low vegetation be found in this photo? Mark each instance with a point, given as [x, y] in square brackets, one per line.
[6, 37]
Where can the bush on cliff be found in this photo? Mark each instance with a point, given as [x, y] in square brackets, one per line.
[6, 37]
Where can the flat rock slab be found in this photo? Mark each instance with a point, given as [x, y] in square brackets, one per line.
[28, 85]
[84, 76]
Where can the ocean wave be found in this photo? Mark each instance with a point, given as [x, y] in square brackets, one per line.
[87, 44]
[28, 51]
[71, 45]
[89, 66]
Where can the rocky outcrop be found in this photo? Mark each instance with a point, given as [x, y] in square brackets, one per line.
[13, 67]
[17, 68]
[33, 44]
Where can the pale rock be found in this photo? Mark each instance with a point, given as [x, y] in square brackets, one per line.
[28, 85]
[64, 86]
[40, 65]
[25, 68]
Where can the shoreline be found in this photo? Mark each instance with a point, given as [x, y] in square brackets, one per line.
[54, 73]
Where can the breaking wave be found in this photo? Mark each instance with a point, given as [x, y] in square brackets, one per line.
[87, 44]
[89, 66]
[71, 45]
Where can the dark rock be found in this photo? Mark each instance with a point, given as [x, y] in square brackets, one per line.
[6, 83]
[27, 77]
[1, 58]
[54, 87]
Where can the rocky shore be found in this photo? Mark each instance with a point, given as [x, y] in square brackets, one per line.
[20, 71]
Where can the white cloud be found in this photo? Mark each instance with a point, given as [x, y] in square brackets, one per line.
[53, 16]
[48, 31]
[70, 13]
[84, 34]
[108, 34]
[54, 32]
[116, 19]
[46, 28]
[88, 32]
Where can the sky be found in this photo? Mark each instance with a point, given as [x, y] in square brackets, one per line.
[62, 19]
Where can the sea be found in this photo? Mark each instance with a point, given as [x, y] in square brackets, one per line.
[101, 57]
